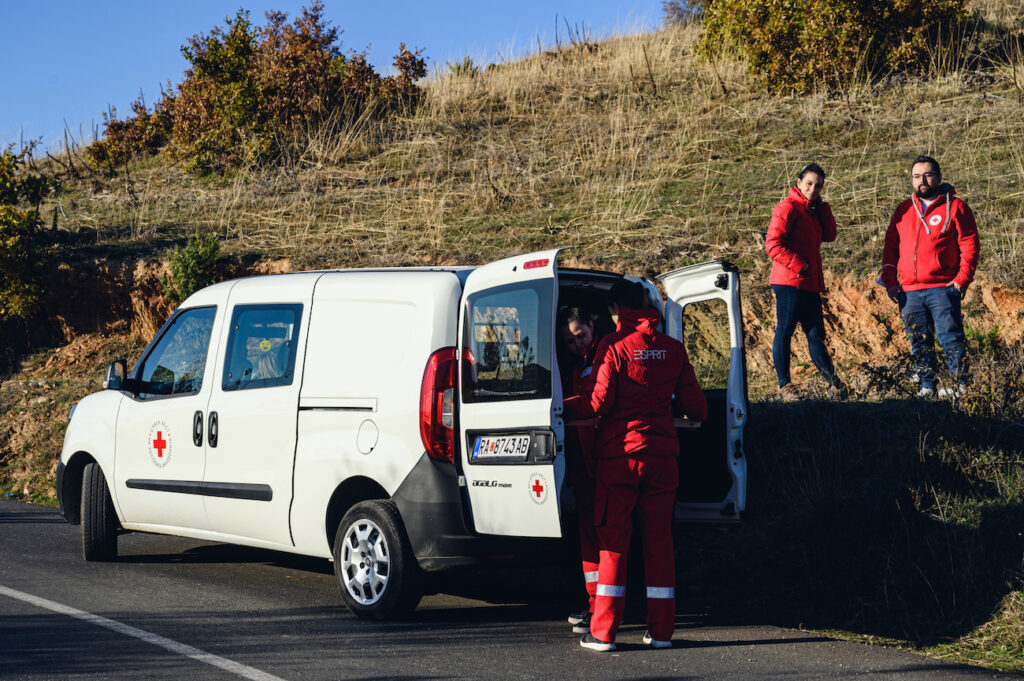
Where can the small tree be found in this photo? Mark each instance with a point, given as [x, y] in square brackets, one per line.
[801, 45]
[21, 290]
[192, 267]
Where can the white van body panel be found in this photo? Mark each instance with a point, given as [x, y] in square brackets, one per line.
[255, 445]
[154, 438]
[497, 489]
[713, 281]
[359, 403]
[93, 431]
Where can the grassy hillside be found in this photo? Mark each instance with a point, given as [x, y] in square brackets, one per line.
[885, 518]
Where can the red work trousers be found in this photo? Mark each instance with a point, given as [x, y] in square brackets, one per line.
[583, 483]
[646, 483]
[589, 544]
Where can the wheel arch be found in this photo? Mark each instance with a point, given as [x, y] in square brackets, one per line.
[70, 488]
[348, 494]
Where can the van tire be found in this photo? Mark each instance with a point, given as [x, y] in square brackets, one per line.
[99, 521]
[388, 585]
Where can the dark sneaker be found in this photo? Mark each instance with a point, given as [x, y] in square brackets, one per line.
[582, 626]
[838, 391]
[789, 393]
[593, 643]
[653, 643]
[579, 617]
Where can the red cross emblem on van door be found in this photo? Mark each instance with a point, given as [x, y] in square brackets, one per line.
[538, 488]
[159, 444]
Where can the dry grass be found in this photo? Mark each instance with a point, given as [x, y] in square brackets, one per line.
[636, 153]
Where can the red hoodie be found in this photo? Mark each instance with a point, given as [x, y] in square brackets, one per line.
[794, 240]
[637, 371]
[931, 248]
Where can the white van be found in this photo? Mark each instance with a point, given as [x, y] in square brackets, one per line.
[394, 420]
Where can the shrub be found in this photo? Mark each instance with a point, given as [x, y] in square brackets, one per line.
[192, 267]
[463, 68]
[799, 46]
[248, 87]
[143, 134]
[21, 289]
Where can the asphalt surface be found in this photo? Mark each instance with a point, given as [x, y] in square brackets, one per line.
[172, 608]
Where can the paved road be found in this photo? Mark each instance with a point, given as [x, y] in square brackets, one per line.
[174, 608]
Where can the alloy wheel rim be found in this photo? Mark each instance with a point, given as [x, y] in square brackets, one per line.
[365, 562]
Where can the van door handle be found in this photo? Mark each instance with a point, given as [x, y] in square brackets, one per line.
[197, 429]
[211, 431]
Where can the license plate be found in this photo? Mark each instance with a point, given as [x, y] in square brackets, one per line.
[502, 447]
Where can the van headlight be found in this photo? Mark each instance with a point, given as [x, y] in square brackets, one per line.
[72, 412]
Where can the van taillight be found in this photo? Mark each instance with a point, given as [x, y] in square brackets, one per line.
[437, 405]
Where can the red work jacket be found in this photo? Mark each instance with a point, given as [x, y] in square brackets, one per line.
[931, 248]
[794, 240]
[636, 372]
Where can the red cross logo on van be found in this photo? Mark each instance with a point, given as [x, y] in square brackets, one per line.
[538, 488]
[159, 444]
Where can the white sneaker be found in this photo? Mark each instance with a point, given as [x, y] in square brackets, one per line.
[926, 392]
[960, 389]
[655, 643]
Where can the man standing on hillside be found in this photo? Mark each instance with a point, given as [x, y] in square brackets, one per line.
[929, 259]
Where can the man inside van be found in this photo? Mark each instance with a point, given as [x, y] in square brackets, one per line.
[929, 259]
[637, 371]
[575, 328]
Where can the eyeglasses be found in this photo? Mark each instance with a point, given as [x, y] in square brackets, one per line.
[931, 175]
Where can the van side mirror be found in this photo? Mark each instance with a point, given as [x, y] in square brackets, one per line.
[117, 371]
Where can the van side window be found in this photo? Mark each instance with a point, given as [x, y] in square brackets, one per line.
[261, 346]
[175, 364]
[508, 337]
[706, 336]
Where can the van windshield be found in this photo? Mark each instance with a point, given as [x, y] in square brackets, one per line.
[507, 342]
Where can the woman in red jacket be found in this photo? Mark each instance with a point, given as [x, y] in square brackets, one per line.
[800, 222]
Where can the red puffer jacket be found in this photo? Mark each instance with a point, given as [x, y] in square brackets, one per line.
[794, 241]
[933, 248]
[638, 370]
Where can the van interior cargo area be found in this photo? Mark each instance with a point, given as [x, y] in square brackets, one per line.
[704, 472]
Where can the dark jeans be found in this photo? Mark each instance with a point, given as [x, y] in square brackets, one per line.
[791, 306]
[929, 313]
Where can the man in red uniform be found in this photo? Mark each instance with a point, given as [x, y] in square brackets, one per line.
[638, 370]
[929, 259]
[575, 329]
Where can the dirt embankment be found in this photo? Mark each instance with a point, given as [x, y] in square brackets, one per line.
[126, 297]
[864, 326]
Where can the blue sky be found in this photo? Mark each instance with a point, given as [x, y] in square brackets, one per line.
[68, 60]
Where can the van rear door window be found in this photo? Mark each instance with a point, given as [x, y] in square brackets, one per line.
[261, 346]
[507, 333]
[706, 335]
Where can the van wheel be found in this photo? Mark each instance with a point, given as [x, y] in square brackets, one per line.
[374, 564]
[99, 521]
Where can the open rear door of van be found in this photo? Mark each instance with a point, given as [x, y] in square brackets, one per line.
[703, 310]
[511, 435]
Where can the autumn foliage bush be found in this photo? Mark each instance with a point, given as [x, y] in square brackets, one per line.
[799, 46]
[249, 89]
[21, 288]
